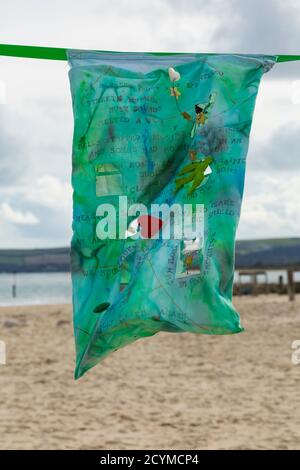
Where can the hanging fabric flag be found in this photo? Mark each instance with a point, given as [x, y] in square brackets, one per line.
[159, 153]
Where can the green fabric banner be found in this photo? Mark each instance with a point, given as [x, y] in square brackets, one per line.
[169, 132]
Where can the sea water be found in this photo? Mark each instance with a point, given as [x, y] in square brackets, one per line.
[55, 288]
[35, 288]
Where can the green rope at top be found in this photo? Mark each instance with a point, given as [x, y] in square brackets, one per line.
[33, 52]
[287, 58]
[57, 53]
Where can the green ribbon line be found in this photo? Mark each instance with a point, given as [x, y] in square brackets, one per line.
[57, 53]
[287, 58]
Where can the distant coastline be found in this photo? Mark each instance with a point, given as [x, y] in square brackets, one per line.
[42, 260]
[278, 253]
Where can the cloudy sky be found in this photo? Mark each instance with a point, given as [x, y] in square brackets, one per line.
[36, 115]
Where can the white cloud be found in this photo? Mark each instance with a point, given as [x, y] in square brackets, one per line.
[273, 209]
[275, 107]
[16, 216]
[50, 192]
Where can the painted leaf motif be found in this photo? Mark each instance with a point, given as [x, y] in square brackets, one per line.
[175, 92]
[192, 173]
[186, 116]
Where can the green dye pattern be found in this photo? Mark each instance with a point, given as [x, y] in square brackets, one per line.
[136, 135]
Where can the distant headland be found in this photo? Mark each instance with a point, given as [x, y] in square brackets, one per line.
[277, 253]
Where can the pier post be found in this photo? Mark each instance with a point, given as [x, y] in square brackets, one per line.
[291, 289]
[280, 284]
[14, 285]
[254, 284]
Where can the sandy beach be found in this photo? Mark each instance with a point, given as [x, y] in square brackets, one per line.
[171, 391]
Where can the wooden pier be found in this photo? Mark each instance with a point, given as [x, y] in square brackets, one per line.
[254, 288]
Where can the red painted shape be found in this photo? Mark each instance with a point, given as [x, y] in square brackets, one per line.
[149, 225]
